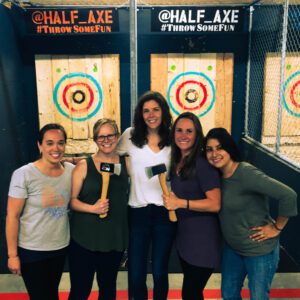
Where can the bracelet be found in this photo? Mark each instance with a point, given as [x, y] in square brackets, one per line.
[276, 227]
[187, 204]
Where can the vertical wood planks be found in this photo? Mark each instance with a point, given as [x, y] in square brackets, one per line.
[200, 83]
[76, 91]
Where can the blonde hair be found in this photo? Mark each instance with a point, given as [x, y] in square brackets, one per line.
[102, 122]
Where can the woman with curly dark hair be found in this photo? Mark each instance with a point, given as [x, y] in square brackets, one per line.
[148, 143]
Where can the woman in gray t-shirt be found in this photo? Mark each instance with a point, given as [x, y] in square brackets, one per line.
[37, 226]
[251, 235]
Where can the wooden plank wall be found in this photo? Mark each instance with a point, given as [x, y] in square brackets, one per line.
[216, 79]
[99, 78]
[290, 124]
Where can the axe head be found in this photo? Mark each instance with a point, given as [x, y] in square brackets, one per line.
[155, 170]
[110, 168]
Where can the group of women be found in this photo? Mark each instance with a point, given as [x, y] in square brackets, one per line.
[221, 203]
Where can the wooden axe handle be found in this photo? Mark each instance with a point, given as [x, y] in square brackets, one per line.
[105, 183]
[163, 183]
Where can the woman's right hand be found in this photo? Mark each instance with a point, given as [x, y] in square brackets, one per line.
[14, 265]
[171, 202]
[101, 207]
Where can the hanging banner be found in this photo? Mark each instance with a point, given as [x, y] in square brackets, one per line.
[197, 19]
[61, 21]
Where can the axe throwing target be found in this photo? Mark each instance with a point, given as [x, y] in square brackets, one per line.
[191, 91]
[77, 96]
[291, 95]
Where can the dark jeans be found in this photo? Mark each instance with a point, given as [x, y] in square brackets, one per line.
[149, 225]
[42, 277]
[83, 264]
[194, 280]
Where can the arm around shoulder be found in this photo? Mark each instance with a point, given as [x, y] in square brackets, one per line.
[124, 142]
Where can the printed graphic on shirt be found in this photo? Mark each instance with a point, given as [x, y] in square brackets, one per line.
[53, 202]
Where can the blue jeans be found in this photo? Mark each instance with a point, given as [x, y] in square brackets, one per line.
[259, 269]
[148, 225]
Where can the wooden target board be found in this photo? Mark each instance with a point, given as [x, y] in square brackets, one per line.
[290, 122]
[290, 104]
[76, 91]
[199, 83]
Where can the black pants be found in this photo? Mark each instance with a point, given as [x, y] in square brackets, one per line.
[84, 263]
[194, 281]
[42, 277]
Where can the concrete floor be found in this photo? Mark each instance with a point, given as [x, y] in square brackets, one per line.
[14, 284]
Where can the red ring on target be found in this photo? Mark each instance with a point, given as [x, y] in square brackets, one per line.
[91, 96]
[292, 94]
[194, 82]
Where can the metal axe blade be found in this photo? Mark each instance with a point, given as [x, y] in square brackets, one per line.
[110, 168]
[155, 170]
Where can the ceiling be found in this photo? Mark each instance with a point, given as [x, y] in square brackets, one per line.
[26, 3]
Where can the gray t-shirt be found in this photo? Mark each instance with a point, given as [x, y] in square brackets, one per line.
[245, 204]
[44, 223]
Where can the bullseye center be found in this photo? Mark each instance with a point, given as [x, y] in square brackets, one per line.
[78, 97]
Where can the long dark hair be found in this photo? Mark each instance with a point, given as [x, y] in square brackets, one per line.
[189, 163]
[140, 132]
[51, 126]
[226, 141]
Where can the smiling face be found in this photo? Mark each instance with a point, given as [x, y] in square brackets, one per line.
[106, 139]
[152, 114]
[53, 145]
[185, 135]
[216, 155]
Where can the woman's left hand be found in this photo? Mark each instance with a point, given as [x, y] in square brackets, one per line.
[263, 233]
[171, 201]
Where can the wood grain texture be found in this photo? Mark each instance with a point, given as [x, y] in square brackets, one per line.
[99, 76]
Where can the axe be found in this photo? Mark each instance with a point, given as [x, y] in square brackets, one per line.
[161, 170]
[106, 169]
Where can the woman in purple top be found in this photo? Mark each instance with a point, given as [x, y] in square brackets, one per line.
[196, 199]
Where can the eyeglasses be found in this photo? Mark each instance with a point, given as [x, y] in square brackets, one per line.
[109, 137]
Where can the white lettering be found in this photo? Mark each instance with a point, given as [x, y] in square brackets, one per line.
[200, 15]
[217, 18]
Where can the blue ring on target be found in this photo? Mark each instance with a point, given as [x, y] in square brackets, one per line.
[71, 75]
[284, 99]
[193, 73]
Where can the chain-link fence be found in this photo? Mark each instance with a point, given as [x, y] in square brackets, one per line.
[273, 79]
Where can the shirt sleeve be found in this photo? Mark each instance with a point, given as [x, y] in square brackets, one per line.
[257, 181]
[123, 144]
[17, 187]
[207, 175]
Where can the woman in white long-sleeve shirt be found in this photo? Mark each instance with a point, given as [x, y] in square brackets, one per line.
[148, 143]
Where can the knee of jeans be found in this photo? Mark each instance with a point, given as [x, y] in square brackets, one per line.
[259, 289]
[231, 290]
